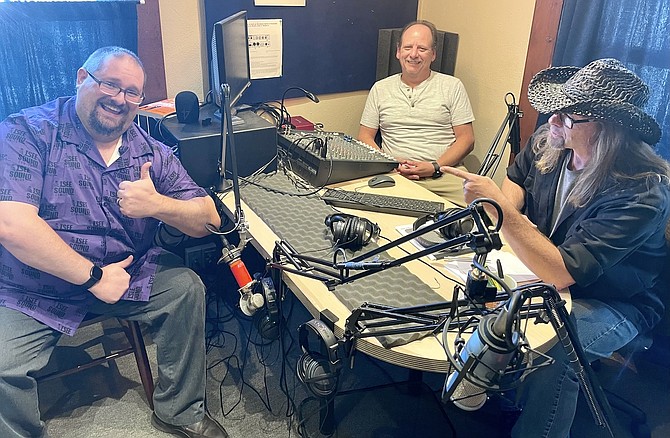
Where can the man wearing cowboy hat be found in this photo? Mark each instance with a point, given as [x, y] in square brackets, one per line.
[585, 207]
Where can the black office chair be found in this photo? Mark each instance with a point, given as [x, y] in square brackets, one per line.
[627, 355]
[136, 347]
[638, 348]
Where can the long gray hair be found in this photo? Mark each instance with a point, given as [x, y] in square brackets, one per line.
[616, 153]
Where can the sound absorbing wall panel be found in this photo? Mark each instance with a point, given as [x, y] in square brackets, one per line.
[329, 46]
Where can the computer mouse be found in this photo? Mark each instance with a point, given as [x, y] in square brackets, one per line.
[380, 181]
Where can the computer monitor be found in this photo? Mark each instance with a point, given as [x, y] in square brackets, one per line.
[230, 57]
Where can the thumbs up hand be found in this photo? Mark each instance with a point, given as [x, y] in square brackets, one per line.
[139, 199]
[144, 171]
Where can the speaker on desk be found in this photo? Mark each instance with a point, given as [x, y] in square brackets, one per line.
[187, 107]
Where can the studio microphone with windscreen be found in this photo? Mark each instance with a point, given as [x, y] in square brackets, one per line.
[493, 346]
[249, 301]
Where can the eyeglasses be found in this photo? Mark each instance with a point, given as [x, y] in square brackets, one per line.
[569, 122]
[111, 89]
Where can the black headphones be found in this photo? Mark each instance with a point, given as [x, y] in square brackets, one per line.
[351, 231]
[450, 231]
[267, 319]
[320, 374]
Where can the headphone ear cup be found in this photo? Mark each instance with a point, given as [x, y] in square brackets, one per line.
[433, 237]
[333, 220]
[319, 373]
[351, 231]
[267, 327]
[356, 232]
[457, 228]
[268, 319]
[314, 371]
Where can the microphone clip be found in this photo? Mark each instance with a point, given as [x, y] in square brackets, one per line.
[477, 285]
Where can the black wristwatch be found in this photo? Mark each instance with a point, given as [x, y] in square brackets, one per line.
[96, 276]
[438, 172]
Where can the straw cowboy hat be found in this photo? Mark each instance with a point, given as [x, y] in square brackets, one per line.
[604, 89]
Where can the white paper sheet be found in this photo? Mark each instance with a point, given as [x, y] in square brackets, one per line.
[265, 48]
[511, 265]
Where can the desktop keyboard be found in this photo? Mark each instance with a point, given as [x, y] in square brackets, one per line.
[381, 203]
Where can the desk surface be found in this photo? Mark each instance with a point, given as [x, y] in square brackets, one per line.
[426, 354]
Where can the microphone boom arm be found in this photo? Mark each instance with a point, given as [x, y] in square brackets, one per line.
[334, 273]
[379, 320]
[493, 156]
[360, 324]
[230, 139]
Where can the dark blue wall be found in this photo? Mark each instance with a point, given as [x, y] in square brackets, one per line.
[330, 46]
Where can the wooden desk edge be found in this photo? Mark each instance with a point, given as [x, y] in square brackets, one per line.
[426, 354]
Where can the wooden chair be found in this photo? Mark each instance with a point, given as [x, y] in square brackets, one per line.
[136, 346]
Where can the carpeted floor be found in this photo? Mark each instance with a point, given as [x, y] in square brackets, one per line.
[254, 392]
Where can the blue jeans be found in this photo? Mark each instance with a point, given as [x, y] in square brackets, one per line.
[549, 395]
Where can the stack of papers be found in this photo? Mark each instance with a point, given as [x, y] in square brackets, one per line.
[511, 266]
[158, 109]
[460, 264]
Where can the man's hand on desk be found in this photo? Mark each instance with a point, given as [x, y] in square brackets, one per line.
[415, 169]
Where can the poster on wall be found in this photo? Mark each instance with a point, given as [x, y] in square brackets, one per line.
[265, 48]
[328, 46]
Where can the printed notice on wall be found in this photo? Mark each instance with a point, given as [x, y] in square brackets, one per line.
[265, 48]
[279, 2]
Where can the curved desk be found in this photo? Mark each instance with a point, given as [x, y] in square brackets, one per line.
[426, 354]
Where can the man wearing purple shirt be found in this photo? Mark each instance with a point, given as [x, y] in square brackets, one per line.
[82, 192]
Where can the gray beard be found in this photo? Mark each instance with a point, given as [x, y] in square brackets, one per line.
[556, 142]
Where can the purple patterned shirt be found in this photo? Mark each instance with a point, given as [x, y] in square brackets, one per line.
[48, 159]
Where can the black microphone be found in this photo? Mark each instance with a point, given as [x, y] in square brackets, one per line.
[312, 96]
[493, 346]
[249, 301]
[282, 108]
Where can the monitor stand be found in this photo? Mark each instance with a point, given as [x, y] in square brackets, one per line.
[224, 185]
